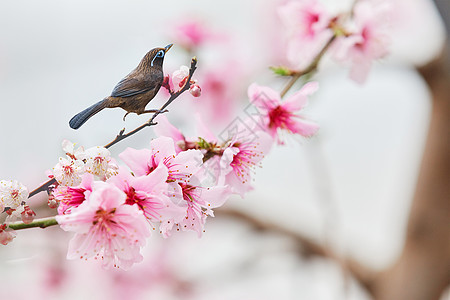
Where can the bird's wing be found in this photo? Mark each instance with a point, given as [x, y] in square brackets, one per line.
[133, 85]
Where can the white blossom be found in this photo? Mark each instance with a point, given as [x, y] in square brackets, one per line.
[12, 193]
[68, 171]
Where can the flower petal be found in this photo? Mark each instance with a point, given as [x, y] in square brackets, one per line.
[263, 97]
[136, 160]
[299, 99]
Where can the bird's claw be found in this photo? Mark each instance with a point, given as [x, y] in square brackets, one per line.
[125, 116]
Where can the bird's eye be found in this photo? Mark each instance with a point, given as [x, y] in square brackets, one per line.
[160, 53]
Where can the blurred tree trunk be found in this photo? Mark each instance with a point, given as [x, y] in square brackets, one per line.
[423, 270]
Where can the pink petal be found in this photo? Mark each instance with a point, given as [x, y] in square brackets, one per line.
[136, 160]
[299, 99]
[304, 127]
[106, 195]
[122, 179]
[263, 97]
[132, 220]
[79, 220]
[187, 163]
[237, 185]
[165, 128]
[263, 143]
[215, 196]
[162, 148]
[203, 130]
[360, 70]
[225, 161]
[153, 182]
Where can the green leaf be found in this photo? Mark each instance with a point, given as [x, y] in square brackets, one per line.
[282, 71]
[202, 144]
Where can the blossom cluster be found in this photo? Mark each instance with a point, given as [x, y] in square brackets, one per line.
[358, 38]
[173, 185]
[13, 195]
[96, 161]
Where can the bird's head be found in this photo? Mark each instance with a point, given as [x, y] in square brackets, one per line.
[155, 57]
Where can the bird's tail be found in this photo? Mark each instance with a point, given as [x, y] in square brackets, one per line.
[80, 118]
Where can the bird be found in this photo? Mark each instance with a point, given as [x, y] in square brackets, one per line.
[134, 91]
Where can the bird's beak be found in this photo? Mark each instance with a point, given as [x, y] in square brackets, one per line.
[168, 47]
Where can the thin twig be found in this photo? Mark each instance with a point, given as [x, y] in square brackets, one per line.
[310, 68]
[42, 188]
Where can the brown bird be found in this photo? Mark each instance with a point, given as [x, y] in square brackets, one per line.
[134, 91]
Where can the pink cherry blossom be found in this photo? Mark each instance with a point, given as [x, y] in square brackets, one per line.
[276, 115]
[149, 193]
[71, 197]
[233, 160]
[307, 23]
[12, 194]
[369, 40]
[191, 34]
[197, 203]
[106, 229]
[240, 157]
[181, 166]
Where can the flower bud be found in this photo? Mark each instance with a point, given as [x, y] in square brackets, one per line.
[52, 203]
[6, 236]
[195, 90]
[28, 215]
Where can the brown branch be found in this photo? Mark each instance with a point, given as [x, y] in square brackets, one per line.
[42, 188]
[307, 246]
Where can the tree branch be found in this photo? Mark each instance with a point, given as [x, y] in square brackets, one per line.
[43, 187]
[307, 247]
[311, 68]
[41, 223]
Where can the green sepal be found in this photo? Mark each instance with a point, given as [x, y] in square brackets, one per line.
[282, 71]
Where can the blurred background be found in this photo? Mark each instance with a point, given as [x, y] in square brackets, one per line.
[360, 211]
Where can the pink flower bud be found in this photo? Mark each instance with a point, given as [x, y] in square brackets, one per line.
[167, 83]
[6, 236]
[52, 203]
[28, 215]
[195, 90]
